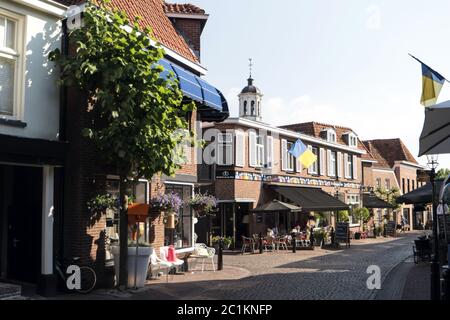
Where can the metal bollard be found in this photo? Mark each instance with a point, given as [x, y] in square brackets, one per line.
[446, 289]
[294, 243]
[220, 255]
[261, 243]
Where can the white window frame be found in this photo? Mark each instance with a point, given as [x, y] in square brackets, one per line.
[16, 55]
[260, 151]
[314, 168]
[269, 153]
[227, 145]
[332, 164]
[331, 135]
[240, 149]
[290, 159]
[348, 166]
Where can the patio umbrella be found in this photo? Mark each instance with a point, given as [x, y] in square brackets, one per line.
[275, 206]
[435, 137]
[422, 195]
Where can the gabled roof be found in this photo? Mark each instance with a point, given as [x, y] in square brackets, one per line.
[153, 16]
[389, 151]
[315, 129]
[185, 8]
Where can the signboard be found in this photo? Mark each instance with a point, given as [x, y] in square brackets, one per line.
[391, 228]
[342, 234]
[444, 228]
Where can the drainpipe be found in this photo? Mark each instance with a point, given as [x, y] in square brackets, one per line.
[63, 138]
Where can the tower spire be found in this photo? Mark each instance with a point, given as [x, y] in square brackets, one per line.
[250, 66]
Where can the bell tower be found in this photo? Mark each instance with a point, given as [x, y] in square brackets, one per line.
[250, 100]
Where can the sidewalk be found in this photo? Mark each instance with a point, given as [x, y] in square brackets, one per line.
[407, 281]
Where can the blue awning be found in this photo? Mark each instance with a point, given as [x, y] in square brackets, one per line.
[197, 89]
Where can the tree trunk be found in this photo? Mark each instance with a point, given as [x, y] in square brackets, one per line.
[123, 233]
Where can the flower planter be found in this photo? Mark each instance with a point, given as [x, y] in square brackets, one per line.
[358, 236]
[143, 259]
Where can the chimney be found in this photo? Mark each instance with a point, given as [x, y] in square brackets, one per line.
[189, 21]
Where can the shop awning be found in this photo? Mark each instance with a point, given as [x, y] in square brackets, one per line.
[422, 195]
[311, 199]
[371, 201]
[277, 206]
[213, 107]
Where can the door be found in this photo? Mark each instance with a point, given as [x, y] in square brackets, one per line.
[24, 225]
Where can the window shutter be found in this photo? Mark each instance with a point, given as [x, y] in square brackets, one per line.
[322, 162]
[329, 163]
[346, 173]
[252, 148]
[298, 165]
[355, 167]
[339, 164]
[269, 153]
[240, 149]
[284, 154]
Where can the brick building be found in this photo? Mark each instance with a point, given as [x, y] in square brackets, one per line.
[395, 167]
[49, 171]
[252, 167]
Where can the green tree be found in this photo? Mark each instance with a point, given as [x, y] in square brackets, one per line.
[137, 112]
[362, 214]
[343, 216]
[389, 195]
[443, 174]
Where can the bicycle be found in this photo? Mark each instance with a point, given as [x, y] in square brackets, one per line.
[87, 276]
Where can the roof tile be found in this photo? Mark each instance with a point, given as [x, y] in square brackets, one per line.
[153, 16]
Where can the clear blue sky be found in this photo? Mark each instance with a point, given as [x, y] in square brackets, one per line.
[341, 62]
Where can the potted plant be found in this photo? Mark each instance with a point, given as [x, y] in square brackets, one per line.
[227, 242]
[138, 260]
[170, 205]
[203, 204]
[319, 236]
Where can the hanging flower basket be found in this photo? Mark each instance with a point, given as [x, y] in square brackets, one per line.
[169, 204]
[203, 204]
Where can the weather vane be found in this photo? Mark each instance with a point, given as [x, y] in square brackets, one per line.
[250, 66]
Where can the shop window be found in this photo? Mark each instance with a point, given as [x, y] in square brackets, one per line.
[181, 237]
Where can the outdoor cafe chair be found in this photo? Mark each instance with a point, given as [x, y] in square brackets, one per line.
[247, 243]
[202, 251]
[163, 253]
[281, 242]
[157, 265]
[269, 242]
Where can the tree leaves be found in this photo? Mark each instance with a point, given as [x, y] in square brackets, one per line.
[118, 68]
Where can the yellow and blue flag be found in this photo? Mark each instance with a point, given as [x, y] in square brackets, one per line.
[432, 83]
[300, 150]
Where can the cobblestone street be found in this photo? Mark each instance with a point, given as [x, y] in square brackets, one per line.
[318, 274]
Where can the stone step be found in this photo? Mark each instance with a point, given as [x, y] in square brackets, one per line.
[9, 291]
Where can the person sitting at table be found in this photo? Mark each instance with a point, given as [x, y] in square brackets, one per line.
[275, 231]
[270, 232]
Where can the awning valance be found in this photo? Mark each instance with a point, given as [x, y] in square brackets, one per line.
[311, 199]
[277, 206]
[423, 195]
[213, 103]
[371, 201]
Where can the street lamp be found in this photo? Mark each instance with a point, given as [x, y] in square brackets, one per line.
[435, 269]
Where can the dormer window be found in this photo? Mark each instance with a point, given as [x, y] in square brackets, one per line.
[352, 141]
[331, 135]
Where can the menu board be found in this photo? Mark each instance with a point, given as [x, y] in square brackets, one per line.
[391, 228]
[342, 234]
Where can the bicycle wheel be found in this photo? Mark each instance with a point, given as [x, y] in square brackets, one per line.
[88, 280]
